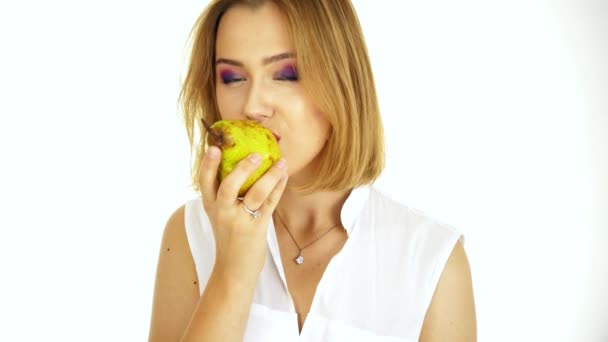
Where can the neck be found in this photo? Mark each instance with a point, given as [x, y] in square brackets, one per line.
[309, 215]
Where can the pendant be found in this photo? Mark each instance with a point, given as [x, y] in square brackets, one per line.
[299, 260]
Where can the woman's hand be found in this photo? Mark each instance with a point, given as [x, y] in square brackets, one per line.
[240, 239]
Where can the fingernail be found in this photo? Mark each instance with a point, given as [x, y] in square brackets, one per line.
[213, 153]
[255, 158]
[281, 163]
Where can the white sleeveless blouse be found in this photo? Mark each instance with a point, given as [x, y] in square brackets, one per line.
[377, 288]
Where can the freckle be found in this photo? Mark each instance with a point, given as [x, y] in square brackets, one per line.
[168, 249]
[195, 283]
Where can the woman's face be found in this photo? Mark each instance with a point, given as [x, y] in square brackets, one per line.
[256, 79]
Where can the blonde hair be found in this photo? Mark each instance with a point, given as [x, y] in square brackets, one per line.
[334, 70]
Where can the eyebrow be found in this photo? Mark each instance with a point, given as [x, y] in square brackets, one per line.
[265, 61]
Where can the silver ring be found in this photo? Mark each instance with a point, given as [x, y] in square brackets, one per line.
[254, 213]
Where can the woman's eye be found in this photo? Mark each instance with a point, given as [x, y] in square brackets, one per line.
[228, 80]
[230, 77]
[288, 74]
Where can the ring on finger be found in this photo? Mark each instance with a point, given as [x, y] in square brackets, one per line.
[254, 213]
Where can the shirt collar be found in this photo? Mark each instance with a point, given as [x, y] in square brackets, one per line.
[353, 206]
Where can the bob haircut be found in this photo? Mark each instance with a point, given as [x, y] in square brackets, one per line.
[334, 71]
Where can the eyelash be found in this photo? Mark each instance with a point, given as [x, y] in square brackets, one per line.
[290, 78]
[231, 80]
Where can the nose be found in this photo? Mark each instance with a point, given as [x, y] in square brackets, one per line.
[258, 105]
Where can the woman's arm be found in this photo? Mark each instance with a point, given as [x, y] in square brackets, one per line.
[176, 290]
[451, 314]
[179, 313]
[222, 312]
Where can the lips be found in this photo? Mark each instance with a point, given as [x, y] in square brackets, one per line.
[278, 137]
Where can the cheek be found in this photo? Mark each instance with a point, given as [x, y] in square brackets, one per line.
[313, 133]
[228, 103]
[321, 126]
[305, 115]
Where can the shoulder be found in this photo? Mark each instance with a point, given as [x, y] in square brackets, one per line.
[391, 213]
[185, 231]
[175, 232]
[384, 211]
[175, 227]
[196, 220]
[451, 313]
[421, 241]
[175, 252]
[424, 254]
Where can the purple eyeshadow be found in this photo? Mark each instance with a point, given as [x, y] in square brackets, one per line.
[289, 73]
[228, 76]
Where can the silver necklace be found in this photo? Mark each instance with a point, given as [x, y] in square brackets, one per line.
[300, 259]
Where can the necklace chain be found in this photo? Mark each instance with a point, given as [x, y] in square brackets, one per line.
[300, 258]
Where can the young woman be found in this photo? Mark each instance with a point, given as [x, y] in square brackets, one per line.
[312, 252]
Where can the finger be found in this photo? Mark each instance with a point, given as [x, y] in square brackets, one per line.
[274, 197]
[231, 184]
[261, 189]
[207, 177]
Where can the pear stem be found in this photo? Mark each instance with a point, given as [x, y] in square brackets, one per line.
[217, 137]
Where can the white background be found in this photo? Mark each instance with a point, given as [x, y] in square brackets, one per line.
[496, 118]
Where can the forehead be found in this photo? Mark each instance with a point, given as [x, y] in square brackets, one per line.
[246, 32]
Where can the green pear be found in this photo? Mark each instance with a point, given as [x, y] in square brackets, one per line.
[238, 139]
